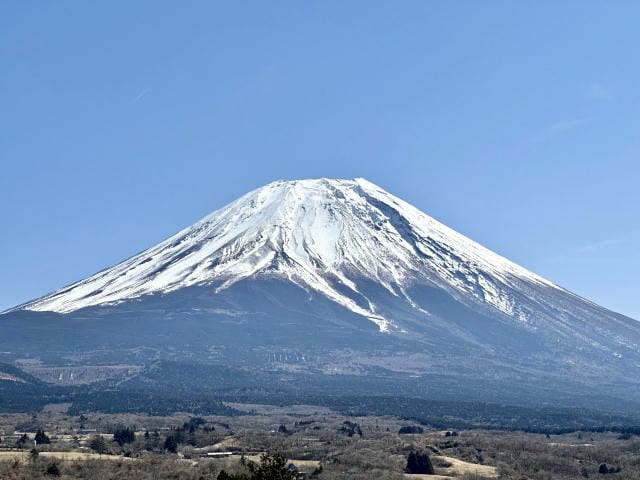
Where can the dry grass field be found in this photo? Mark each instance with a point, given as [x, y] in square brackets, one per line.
[321, 443]
[25, 456]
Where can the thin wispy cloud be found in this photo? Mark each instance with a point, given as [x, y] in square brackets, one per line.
[566, 125]
[599, 91]
[140, 95]
[558, 128]
[601, 251]
[600, 245]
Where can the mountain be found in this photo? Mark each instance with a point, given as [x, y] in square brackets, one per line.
[337, 277]
[324, 235]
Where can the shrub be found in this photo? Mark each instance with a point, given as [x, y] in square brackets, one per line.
[419, 463]
[53, 470]
[351, 429]
[410, 429]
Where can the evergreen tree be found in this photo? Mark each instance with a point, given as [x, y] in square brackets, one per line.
[273, 466]
[351, 428]
[223, 475]
[124, 435]
[419, 463]
[170, 444]
[22, 441]
[42, 438]
[98, 444]
[283, 429]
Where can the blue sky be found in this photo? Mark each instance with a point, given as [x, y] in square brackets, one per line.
[516, 123]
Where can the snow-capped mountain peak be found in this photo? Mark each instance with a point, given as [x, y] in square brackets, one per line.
[324, 235]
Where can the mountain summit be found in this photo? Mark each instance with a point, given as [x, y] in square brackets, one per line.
[341, 276]
[325, 235]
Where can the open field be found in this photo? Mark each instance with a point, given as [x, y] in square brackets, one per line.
[321, 443]
[460, 468]
[24, 456]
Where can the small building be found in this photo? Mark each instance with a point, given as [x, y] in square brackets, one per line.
[216, 454]
[299, 474]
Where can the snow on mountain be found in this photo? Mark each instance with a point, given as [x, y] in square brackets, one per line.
[324, 235]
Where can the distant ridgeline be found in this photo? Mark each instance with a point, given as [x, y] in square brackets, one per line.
[149, 393]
